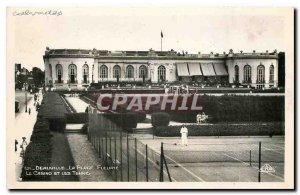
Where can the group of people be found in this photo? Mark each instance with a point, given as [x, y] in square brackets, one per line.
[201, 117]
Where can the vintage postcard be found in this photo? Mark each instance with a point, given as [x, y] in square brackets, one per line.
[150, 98]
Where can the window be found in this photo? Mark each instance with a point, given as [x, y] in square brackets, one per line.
[236, 73]
[247, 73]
[59, 73]
[85, 73]
[103, 71]
[129, 71]
[72, 73]
[271, 74]
[161, 73]
[116, 71]
[143, 71]
[260, 74]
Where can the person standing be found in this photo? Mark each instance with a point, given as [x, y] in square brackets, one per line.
[184, 134]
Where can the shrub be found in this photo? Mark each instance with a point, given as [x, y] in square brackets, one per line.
[130, 120]
[159, 119]
[141, 116]
[84, 128]
[124, 120]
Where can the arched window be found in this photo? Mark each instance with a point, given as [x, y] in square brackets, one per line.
[103, 71]
[260, 74]
[59, 72]
[247, 73]
[129, 71]
[161, 72]
[85, 73]
[116, 71]
[143, 72]
[271, 74]
[236, 73]
[72, 73]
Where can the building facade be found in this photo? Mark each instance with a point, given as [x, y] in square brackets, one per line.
[78, 68]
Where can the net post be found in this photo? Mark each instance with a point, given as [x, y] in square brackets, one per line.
[161, 175]
[127, 159]
[170, 179]
[116, 172]
[99, 146]
[147, 176]
[259, 161]
[250, 158]
[121, 153]
[110, 152]
[106, 148]
[136, 162]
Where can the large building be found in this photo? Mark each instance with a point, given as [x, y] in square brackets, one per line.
[78, 68]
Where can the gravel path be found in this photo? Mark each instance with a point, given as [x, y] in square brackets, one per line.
[86, 159]
[77, 103]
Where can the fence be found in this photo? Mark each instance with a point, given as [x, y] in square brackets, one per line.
[128, 159]
[125, 157]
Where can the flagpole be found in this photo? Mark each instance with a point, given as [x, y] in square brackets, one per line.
[160, 43]
[161, 37]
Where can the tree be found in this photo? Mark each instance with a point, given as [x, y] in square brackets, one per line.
[38, 76]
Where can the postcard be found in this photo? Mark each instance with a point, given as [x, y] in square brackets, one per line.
[181, 97]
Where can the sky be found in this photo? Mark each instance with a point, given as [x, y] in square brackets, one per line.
[190, 29]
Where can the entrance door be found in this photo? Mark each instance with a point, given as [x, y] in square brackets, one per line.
[59, 78]
[72, 79]
[85, 79]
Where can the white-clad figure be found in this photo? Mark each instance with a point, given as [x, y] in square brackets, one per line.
[198, 118]
[184, 134]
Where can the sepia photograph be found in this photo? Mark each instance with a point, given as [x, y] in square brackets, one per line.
[170, 97]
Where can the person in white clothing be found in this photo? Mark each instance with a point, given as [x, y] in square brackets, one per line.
[184, 134]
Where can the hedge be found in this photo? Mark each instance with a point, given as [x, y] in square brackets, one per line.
[53, 109]
[160, 119]
[38, 151]
[247, 129]
[126, 121]
[77, 118]
[51, 116]
[231, 108]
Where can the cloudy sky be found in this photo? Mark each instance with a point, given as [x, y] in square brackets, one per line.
[184, 28]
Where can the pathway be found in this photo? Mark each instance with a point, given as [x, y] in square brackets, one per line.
[77, 103]
[82, 150]
[23, 127]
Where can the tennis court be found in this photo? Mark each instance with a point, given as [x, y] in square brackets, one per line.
[223, 159]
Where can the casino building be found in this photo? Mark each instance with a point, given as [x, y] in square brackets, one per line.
[78, 68]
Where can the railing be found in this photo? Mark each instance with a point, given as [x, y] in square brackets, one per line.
[260, 81]
[57, 82]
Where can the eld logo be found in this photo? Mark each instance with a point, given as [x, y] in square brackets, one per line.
[267, 169]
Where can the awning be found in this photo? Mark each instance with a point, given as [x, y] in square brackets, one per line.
[220, 69]
[194, 69]
[207, 69]
[182, 69]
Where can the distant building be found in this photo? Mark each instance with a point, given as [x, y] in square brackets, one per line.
[78, 68]
[18, 67]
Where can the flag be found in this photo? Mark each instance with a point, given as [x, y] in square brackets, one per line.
[161, 34]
